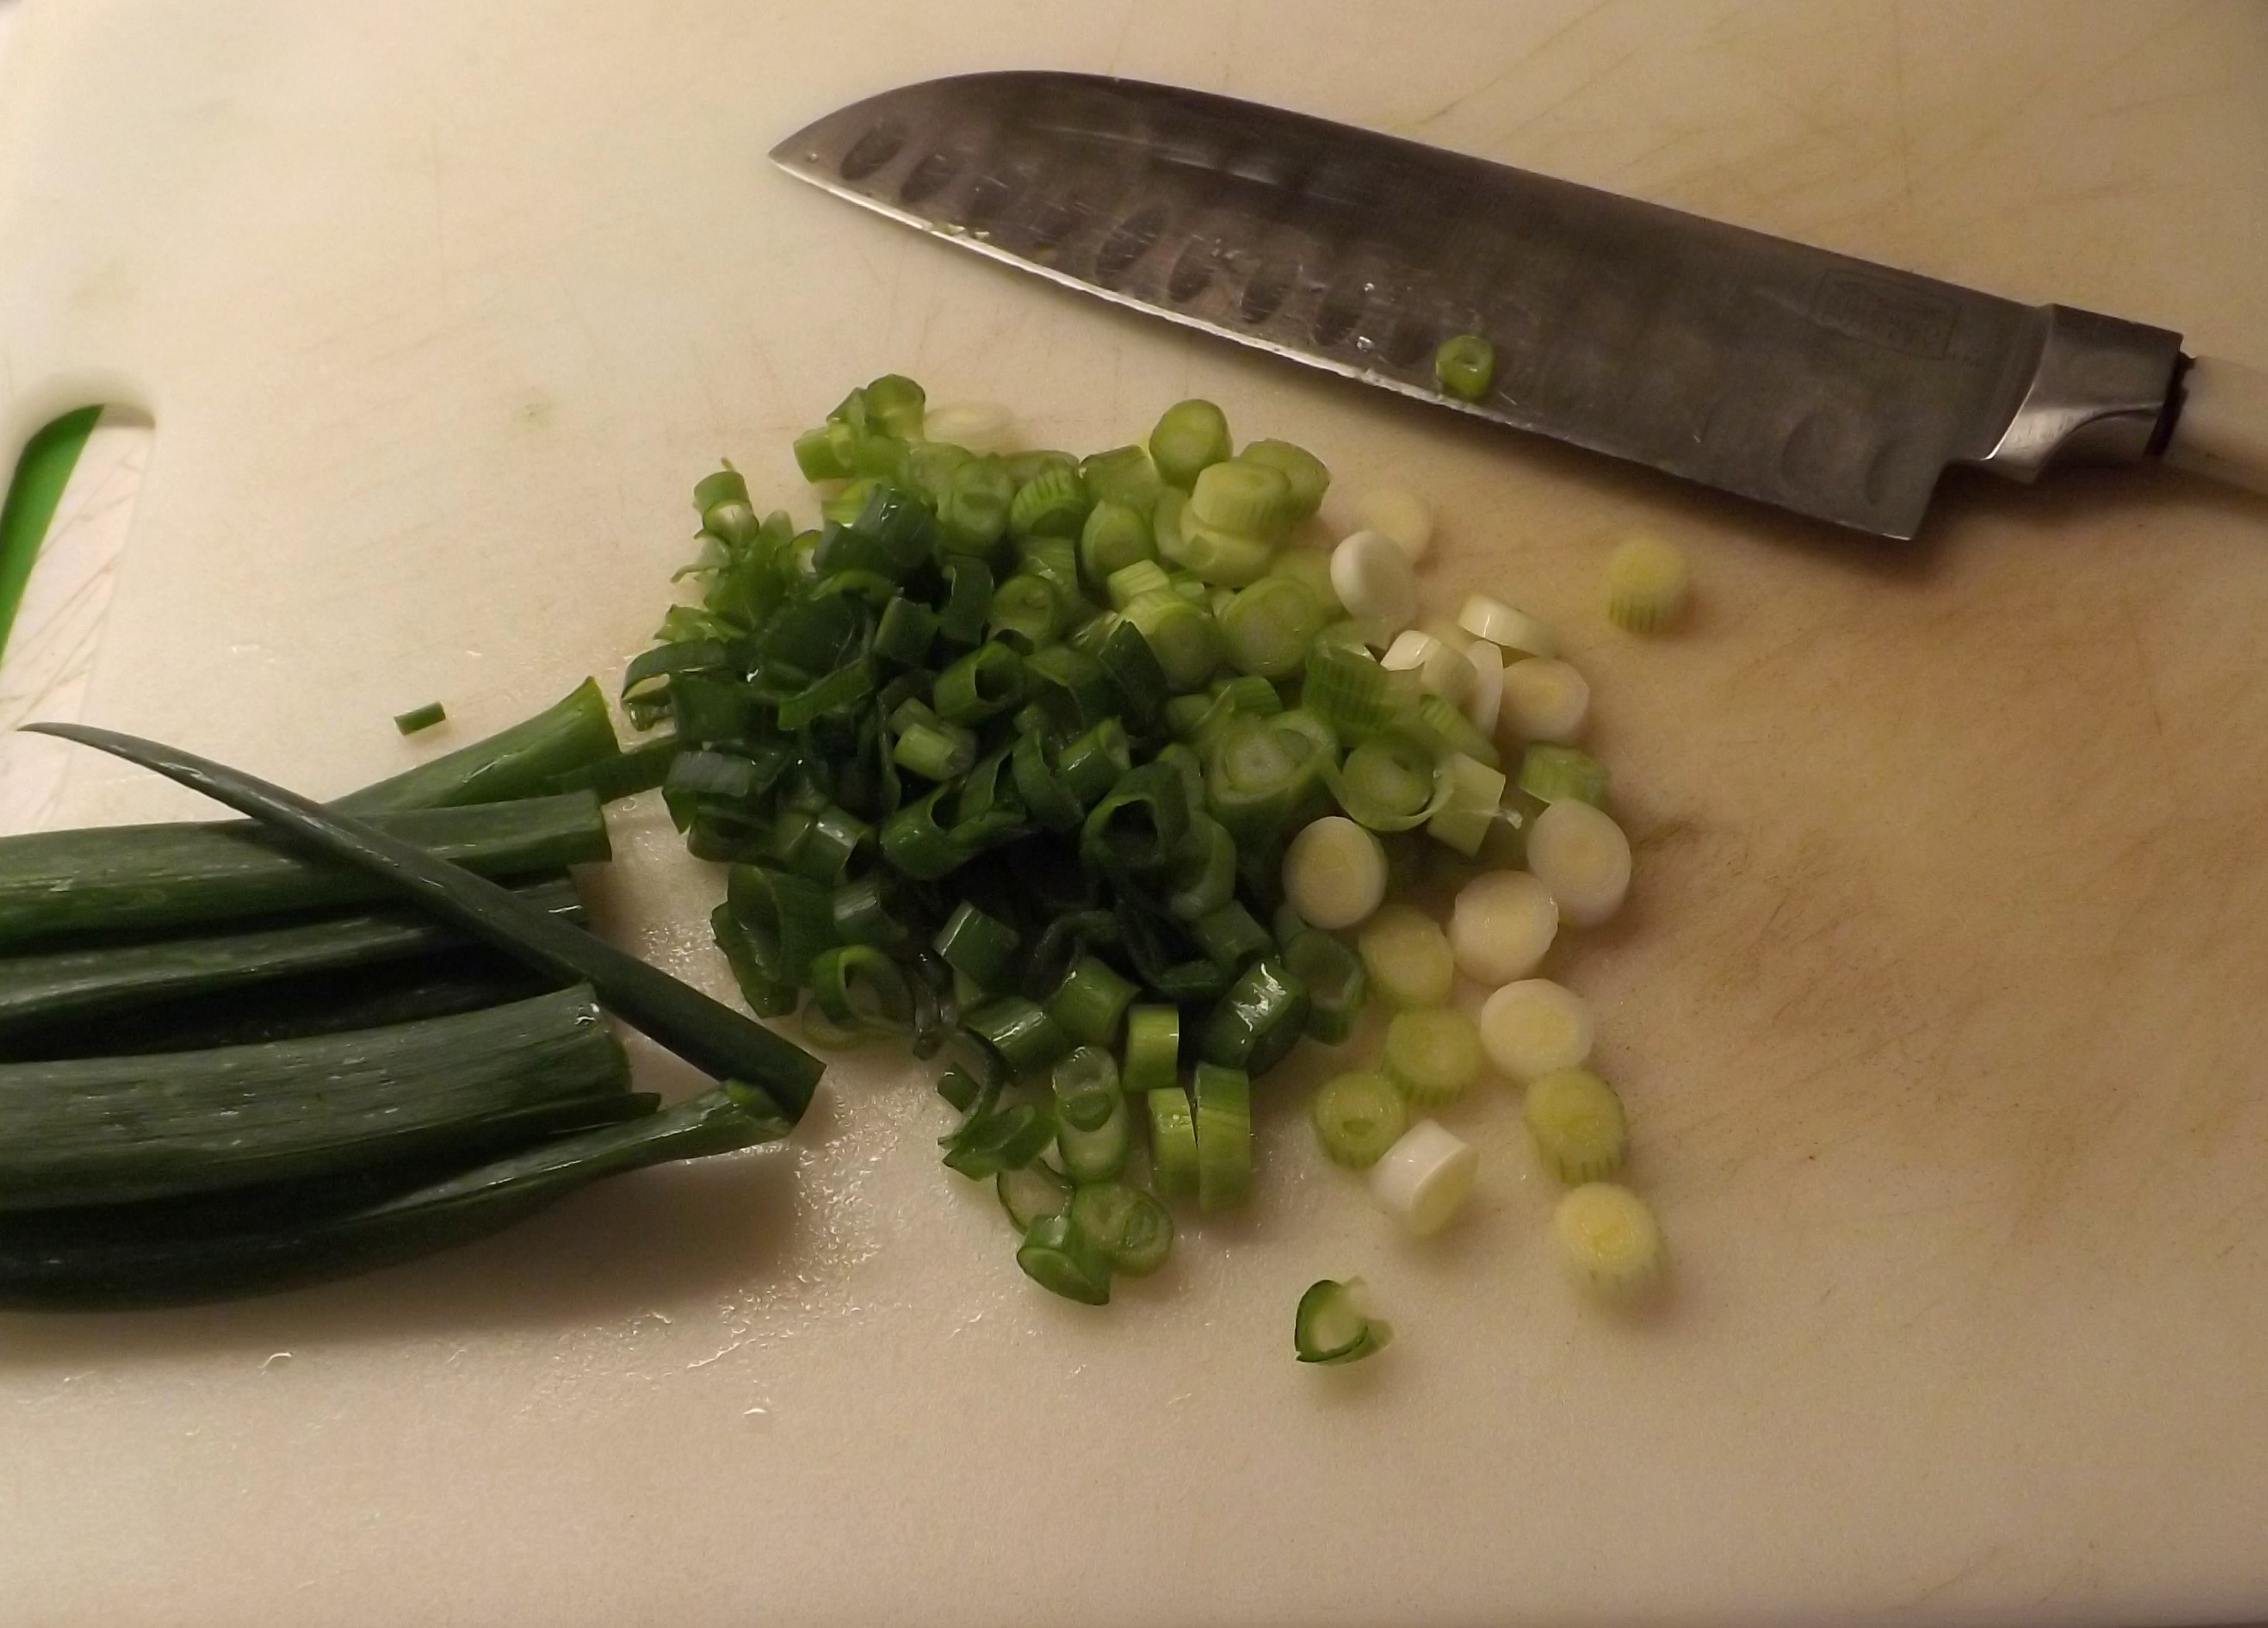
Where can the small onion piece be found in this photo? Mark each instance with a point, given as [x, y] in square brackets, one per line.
[1424, 1178]
[1500, 926]
[1371, 576]
[1533, 1026]
[1407, 957]
[1545, 699]
[1402, 514]
[1609, 1239]
[1485, 704]
[1581, 855]
[1333, 873]
[1504, 624]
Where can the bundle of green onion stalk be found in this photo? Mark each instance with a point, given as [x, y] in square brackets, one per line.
[230, 1065]
[1065, 771]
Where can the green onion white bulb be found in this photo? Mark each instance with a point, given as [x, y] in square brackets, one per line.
[1374, 580]
[1583, 857]
[1399, 513]
[1534, 1026]
[1610, 1240]
[1545, 699]
[1423, 1179]
[1507, 625]
[1500, 926]
[1333, 873]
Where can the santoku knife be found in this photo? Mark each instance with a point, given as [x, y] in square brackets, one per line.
[1827, 385]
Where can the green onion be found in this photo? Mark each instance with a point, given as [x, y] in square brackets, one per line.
[528, 760]
[1357, 1117]
[1190, 437]
[1091, 1001]
[1430, 1054]
[1334, 873]
[421, 717]
[1301, 469]
[1133, 666]
[1183, 637]
[1645, 584]
[1578, 1123]
[1020, 1031]
[1213, 556]
[988, 681]
[1204, 870]
[1465, 366]
[1094, 1132]
[711, 1037]
[1471, 791]
[1123, 475]
[1453, 732]
[1610, 1240]
[862, 911]
[1311, 569]
[1027, 606]
[1231, 935]
[1268, 627]
[1553, 774]
[1408, 956]
[1336, 980]
[1222, 1105]
[1032, 1192]
[1132, 1229]
[1257, 1021]
[1115, 535]
[1500, 926]
[1389, 783]
[1062, 1260]
[993, 1139]
[861, 988]
[1248, 498]
[1372, 575]
[1545, 700]
[1333, 1324]
[968, 601]
[974, 512]
[939, 751]
[1424, 1178]
[1347, 688]
[1153, 1049]
[1535, 1028]
[1051, 504]
[1172, 1143]
[1137, 580]
[1582, 856]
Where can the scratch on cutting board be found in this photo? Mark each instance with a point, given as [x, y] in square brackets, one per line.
[1526, 58]
[1901, 128]
[1960, 1575]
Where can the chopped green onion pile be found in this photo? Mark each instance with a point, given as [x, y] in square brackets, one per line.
[1068, 772]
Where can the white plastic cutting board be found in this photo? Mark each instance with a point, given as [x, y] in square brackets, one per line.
[1938, 1005]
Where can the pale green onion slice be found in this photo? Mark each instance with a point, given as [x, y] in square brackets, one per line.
[1221, 558]
[1485, 700]
[1465, 366]
[1237, 494]
[1032, 1192]
[1357, 1117]
[1191, 437]
[1501, 924]
[1545, 700]
[1554, 774]
[1333, 1324]
[1372, 578]
[1402, 514]
[1311, 569]
[1408, 956]
[1610, 1240]
[1424, 1178]
[1533, 1026]
[1645, 584]
[1131, 1228]
[1062, 1259]
[1173, 1144]
[1430, 1054]
[980, 426]
[1578, 1122]
[1504, 625]
[1301, 469]
[1270, 626]
[1442, 670]
[1183, 637]
[1472, 792]
[1135, 580]
[1222, 1100]
[1581, 855]
[1333, 873]
[1389, 784]
[1153, 1049]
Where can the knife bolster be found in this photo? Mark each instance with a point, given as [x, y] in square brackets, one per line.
[2097, 393]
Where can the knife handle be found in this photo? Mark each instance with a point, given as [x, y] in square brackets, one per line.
[2220, 429]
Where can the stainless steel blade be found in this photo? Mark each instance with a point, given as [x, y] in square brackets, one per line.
[1824, 384]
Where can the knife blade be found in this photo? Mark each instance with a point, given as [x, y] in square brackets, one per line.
[1821, 383]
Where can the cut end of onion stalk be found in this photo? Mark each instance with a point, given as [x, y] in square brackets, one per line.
[1401, 514]
[1583, 857]
[1423, 1179]
[1333, 873]
[1535, 1026]
[1610, 1240]
[1579, 1125]
[1335, 1324]
[1545, 699]
[1502, 925]
[1408, 956]
[1505, 625]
